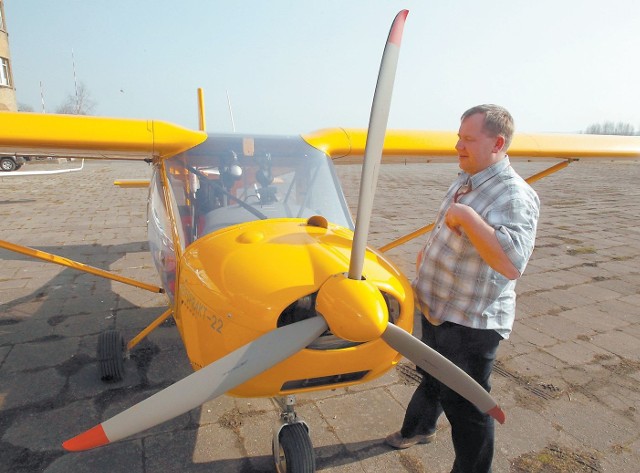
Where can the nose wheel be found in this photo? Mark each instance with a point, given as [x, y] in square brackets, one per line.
[292, 447]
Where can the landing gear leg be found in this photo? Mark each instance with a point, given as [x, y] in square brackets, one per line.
[292, 448]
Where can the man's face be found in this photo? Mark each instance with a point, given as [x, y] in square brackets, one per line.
[476, 150]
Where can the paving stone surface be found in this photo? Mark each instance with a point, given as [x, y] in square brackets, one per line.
[568, 378]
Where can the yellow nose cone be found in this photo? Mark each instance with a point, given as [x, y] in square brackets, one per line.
[354, 310]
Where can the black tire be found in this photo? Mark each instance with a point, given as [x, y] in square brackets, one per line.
[296, 451]
[111, 356]
[7, 164]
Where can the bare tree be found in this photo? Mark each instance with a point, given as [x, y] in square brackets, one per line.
[611, 128]
[79, 103]
[23, 107]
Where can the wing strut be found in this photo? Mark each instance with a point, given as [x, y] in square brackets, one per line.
[43, 255]
[148, 329]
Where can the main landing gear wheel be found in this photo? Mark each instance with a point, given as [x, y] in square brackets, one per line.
[295, 452]
[111, 356]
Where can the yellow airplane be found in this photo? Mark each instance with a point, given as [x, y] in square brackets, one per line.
[272, 287]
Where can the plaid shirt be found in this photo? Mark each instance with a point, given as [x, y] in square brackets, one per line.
[454, 283]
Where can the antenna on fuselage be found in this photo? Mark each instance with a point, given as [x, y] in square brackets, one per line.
[233, 124]
[201, 120]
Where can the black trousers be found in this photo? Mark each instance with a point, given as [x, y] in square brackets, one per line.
[472, 432]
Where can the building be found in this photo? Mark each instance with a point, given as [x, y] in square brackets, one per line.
[7, 88]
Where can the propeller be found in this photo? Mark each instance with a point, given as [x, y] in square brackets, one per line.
[354, 309]
[442, 369]
[376, 321]
[375, 142]
[203, 385]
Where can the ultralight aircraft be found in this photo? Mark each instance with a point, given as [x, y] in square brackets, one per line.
[271, 285]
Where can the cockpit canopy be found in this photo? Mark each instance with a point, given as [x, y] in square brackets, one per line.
[231, 179]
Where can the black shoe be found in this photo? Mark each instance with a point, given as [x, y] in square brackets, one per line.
[396, 440]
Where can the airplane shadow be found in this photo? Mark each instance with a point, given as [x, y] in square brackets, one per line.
[180, 458]
[92, 255]
[60, 319]
[329, 456]
[86, 304]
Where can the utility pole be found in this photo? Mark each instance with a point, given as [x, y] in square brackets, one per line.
[42, 96]
[75, 81]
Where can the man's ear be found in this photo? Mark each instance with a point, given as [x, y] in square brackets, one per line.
[498, 145]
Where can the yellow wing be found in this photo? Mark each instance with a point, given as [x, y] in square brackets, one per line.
[345, 143]
[93, 137]
[349, 142]
[119, 138]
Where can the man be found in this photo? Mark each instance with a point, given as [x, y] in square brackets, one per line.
[483, 237]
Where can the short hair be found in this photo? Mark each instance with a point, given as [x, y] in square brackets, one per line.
[497, 121]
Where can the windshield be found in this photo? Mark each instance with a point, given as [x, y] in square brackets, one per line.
[230, 179]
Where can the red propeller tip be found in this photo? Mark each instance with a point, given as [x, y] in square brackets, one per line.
[92, 438]
[497, 414]
[395, 36]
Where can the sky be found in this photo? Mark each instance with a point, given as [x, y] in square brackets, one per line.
[292, 67]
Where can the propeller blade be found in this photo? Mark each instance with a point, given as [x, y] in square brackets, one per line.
[442, 369]
[375, 142]
[205, 384]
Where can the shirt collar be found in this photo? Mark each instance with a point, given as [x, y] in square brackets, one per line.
[480, 178]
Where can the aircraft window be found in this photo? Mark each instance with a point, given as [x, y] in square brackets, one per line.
[160, 239]
[216, 185]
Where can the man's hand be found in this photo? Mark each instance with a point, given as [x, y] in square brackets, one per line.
[456, 215]
[462, 218]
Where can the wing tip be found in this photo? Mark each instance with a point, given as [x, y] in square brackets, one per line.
[92, 438]
[497, 413]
